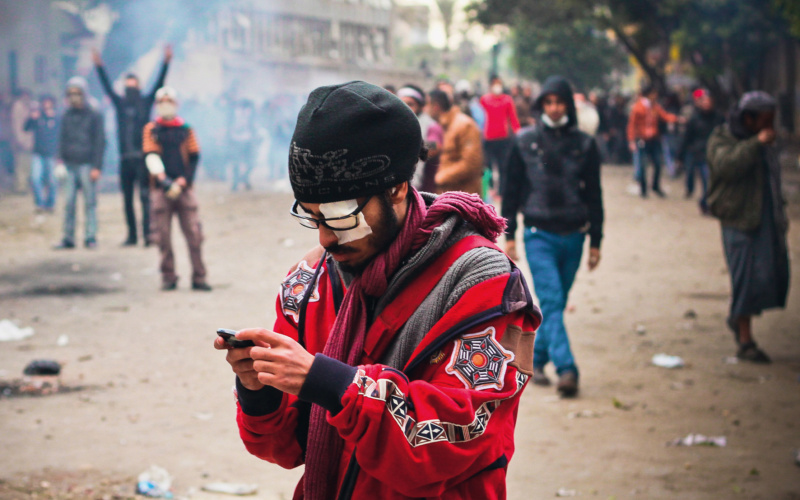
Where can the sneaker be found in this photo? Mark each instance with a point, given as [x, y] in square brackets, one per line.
[64, 245]
[751, 352]
[169, 285]
[90, 243]
[202, 287]
[568, 384]
[659, 193]
[130, 242]
[539, 378]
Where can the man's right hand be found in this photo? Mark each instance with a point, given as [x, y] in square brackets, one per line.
[241, 363]
[96, 59]
[511, 250]
[632, 146]
[766, 136]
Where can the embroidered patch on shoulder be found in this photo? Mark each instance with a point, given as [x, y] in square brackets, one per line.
[294, 288]
[479, 361]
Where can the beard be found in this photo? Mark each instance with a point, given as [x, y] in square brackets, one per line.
[383, 234]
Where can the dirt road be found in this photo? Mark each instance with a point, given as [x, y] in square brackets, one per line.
[154, 391]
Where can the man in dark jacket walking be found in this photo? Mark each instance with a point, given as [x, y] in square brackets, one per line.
[695, 138]
[745, 194]
[82, 141]
[554, 180]
[133, 113]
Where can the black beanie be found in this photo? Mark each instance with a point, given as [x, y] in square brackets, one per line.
[352, 140]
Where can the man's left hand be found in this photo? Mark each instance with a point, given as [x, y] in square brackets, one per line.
[94, 174]
[594, 258]
[279, 360]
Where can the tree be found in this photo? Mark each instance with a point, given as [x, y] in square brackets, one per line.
[447, 8]
[721, 39]
[578, 52]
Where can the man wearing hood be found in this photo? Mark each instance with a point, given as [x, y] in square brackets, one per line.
[82, 141]
[556, 172]
[745, 195]
[133, 112]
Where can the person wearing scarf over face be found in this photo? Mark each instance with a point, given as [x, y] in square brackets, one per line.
[745, 195]
[395, 367]
[133, 112]
[171, 154]
[556, 168]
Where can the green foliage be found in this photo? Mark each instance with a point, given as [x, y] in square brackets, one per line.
[719, 37]
[575, 51]
[790, 10]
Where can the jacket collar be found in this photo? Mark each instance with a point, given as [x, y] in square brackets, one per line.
[448, 116]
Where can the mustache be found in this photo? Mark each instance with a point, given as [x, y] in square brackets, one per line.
[340, 249]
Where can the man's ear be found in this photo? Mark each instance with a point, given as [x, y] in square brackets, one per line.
[398, 193]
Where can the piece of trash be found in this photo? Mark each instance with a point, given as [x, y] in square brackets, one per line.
[288, 243]
[620, 405]
[116, 277]
[10, 332]
[699, 440]
[571, 308]
[731, 360]
[584, 414]
[690, 314]
[155, 482]
[563, 492]
[641, 330]
[667, 361]
[633, 189]
[231, 488]
[62, 340]
[203, 416]
[43, 367]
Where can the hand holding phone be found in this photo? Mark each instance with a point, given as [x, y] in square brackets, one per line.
[230, 338]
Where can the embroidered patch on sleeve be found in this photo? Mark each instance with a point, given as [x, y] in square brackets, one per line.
[294, 288]
[479, 361]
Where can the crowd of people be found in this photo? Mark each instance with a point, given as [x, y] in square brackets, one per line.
[408, 325]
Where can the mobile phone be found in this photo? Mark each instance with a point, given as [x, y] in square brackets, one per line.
[231, 340]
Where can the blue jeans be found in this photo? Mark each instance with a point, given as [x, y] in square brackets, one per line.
[79, 178]
[554, 260]
[651, 148]
[42, 179]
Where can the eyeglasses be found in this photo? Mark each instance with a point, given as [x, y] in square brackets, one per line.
[343, 223]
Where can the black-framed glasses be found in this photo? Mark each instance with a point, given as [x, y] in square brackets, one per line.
[343, 223]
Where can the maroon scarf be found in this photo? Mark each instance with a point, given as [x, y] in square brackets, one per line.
[346, 341]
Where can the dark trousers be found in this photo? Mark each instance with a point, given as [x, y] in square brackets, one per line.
[133, 172]
[496, 154]
[651, 149]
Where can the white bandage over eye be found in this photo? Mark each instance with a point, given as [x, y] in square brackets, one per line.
[342, 209]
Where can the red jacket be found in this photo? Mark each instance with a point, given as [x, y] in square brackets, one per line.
[500, 112]
[644, 119]
[443, 427]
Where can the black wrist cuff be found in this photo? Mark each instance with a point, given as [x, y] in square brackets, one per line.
[258, 403]
[326, 382]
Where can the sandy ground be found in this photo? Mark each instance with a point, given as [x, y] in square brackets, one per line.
[154, 391]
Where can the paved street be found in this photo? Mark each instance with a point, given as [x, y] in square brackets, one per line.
[154, 391]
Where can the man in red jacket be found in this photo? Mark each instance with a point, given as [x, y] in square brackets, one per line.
[499, 128]
[396, 364]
